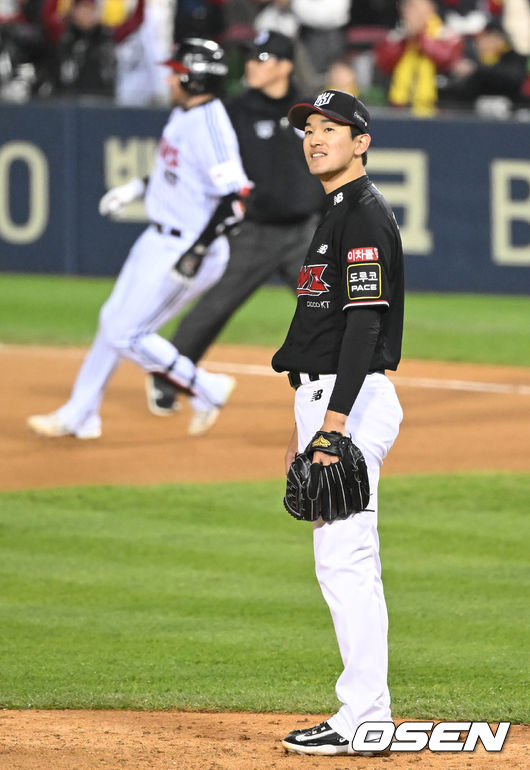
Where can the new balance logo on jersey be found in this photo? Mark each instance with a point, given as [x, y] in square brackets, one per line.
[338, 198]
[322, 249]
[310, 280]
[317, 395]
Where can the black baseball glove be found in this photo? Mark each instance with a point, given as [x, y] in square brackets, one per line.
[328, 491]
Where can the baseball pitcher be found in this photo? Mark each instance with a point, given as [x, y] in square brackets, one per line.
[345, 333]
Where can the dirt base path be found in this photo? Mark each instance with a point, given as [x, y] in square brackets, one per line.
[86, 740]
[457, 417]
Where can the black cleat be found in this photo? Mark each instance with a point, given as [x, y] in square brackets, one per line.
[320, 740]
[161, 395]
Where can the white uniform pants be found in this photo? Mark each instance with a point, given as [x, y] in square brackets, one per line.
[144, 297]
[347, 552]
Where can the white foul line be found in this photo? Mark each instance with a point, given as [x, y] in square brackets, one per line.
[258, 370]
[469, 385]
[404, 382]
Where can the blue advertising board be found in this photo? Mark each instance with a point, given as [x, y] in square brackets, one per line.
[460, 188]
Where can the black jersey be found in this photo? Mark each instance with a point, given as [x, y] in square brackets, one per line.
[273, 158]
[355, 260]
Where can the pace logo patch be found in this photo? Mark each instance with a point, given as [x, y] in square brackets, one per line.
[310, 280]
[363, 254]
[364, 281]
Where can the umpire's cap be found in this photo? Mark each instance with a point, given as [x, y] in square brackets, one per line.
[336, 105]
[271, 43]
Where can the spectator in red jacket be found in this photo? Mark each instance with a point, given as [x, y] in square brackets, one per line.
[413, 54]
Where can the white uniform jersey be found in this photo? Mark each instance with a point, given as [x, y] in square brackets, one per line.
[198, 162]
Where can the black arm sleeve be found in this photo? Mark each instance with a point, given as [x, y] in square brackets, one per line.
[227, 215]
[357, 349]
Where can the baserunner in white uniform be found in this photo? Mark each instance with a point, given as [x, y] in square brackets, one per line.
[193, 196]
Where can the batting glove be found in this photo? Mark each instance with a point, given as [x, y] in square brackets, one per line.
[187, 266]
[115, 199]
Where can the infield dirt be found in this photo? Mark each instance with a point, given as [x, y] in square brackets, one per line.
[458, 417]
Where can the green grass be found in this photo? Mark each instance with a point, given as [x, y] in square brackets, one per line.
[205, 597]
[468, 327]
[59, 310]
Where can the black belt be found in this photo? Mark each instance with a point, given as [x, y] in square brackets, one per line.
[165, 230]
[295, 380]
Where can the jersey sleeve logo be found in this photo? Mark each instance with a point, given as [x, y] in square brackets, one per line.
[310, 281]
[364, 281]
[363, 254]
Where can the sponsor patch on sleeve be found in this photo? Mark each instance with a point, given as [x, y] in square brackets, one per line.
[363, 254]
[364, 281]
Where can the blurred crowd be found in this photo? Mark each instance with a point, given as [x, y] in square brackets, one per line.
[422, 55]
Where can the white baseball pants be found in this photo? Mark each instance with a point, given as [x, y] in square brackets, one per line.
[144, 297]
[347, 552]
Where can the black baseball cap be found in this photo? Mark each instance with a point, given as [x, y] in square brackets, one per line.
[270, 43]
[336, 105]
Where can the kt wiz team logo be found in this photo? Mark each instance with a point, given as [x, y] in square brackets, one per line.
[324, 99]
[310, 281]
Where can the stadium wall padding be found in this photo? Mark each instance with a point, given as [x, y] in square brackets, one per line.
[460, 188]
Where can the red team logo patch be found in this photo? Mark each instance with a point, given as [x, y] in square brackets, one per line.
[310, 280]
[169, 153]
[363, 254]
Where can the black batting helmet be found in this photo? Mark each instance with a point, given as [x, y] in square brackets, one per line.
[201, 65]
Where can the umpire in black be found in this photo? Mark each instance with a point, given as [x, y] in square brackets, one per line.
[281, 214]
